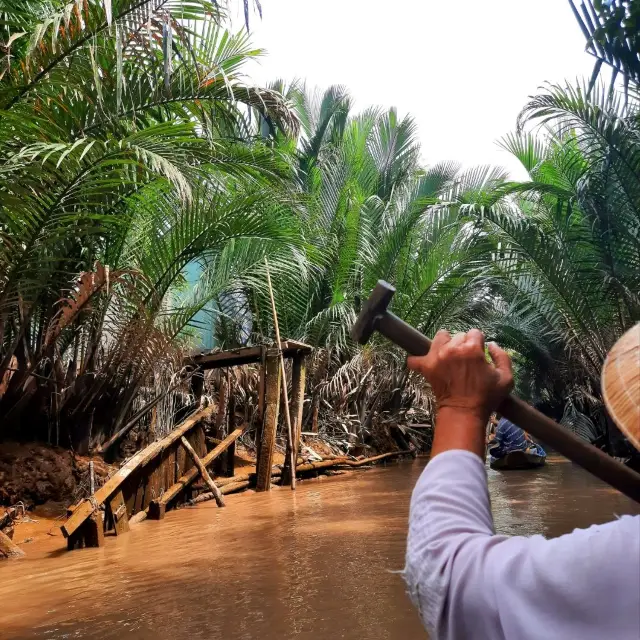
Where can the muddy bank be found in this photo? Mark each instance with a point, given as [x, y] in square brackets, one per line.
[36, 474]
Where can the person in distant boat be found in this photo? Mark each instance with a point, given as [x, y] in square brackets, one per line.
[509, 437]
[470, 583]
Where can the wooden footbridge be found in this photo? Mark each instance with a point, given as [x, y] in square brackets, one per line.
[163, 474]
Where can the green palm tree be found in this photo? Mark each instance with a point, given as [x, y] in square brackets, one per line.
[371, 211]
[566, 252]
[127, 153]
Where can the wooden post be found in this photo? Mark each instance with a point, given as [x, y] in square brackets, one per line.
[197, 385]
[229, 467]
[221, 418]
[261, 391]
[94, 530]
[89, 534]
[203, 472]
[298, 376]
[157, 510]
[272, 406]
[118, 510]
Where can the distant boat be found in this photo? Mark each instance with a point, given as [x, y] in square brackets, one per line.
[517, 460]
[511, 448]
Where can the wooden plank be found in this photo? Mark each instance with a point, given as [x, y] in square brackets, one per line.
[151, 489]
[8, 549]
[139, 495]
[244, 355]
[192, 473]
[199, 441]
[203, 472]
[170, 470]
[119, 514]
[87, 507]
[272, 406]
[181, 463]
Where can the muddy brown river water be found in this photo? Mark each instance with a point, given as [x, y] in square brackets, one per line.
[317, 564]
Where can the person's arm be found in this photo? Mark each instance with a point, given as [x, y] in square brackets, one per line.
[470, 583]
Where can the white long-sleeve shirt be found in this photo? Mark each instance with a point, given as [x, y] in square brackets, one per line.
[468, 582]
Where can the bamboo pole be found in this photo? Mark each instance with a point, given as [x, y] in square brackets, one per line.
[285, 394]
[189, 476]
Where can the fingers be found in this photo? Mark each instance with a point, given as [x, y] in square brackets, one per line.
[502, 362]
[441, 338]
[419, 363]
[475, 337]
[458, 339]
[415, 362]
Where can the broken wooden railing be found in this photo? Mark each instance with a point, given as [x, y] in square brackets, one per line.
[156, 474]
[166, 470]
[269, 392]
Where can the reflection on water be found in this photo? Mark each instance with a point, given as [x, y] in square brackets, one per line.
[318, 563]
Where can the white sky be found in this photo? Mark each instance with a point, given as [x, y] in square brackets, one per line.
[462, 68]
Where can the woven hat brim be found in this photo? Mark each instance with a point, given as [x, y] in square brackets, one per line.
[621, 384]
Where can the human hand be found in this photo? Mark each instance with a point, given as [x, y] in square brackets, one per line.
[461, 377]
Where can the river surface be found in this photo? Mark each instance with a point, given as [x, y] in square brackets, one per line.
[320, 563]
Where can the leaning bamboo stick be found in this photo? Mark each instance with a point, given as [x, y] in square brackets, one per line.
[285, 394]
[203, 472]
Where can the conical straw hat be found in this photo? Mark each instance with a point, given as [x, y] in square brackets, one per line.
[621, 384]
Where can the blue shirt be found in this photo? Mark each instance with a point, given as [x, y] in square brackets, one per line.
[510, 437]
